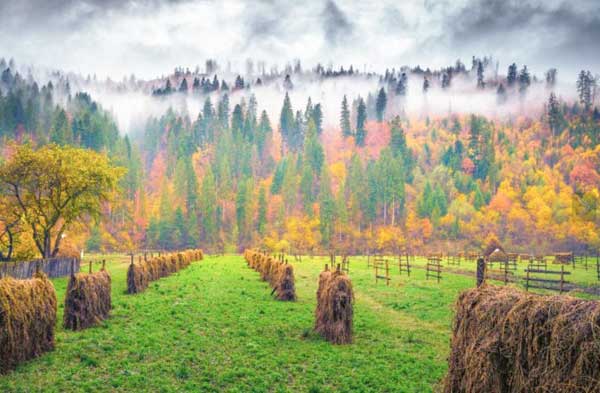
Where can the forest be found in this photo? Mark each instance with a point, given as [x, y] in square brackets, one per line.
[313, 161]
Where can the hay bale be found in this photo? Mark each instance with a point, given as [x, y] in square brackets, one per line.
[507, 340]
[284, 285]
[88, 300]
[497, 256]
[334, 313]
[492, 245]
[138, 277]
[27, 319]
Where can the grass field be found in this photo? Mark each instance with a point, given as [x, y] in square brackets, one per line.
[214, 327]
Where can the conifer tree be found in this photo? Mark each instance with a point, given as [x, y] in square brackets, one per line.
[361, 118]
[381, 104]
[345, 118]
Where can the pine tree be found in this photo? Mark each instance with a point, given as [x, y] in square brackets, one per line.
[180, 235]
[501, 94]
[586, 83]
[263, 131]
[554, 112]
[511, 76]
[345, 119]
[551, 78]
[381, 104]
[327, 209]
[183, 88]
[401, 87]
[398, 138]
[286, 120]
[361, 118]
[446, 80]
[480, 80]
[314, 154]
[237, 120]
[317, 116]
[261, 222]
[425, 85]
[524, 80]
[208, 205]
[223, 112]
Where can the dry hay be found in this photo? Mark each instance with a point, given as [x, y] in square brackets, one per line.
[27, 319]
[88, 300]
[285, 288]
[140, 275]
[492, 245]
[278, 274]
[497, 256]
[334, 313]
[506, 340]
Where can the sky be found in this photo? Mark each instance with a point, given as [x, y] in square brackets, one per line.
[114, 38]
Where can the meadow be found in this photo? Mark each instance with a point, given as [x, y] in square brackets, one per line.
[215, 327]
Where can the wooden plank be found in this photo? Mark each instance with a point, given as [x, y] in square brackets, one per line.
[546, 271]
[546, 280]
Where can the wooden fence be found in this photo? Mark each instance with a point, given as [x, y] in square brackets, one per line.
[379, 264]
[546, 283]
[434, 267]
[53, 267]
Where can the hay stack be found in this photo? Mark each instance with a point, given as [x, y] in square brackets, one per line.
[284, 285]
[278, 274]
[27, 319]
[88, 300]
[492, 245]
[506, 340]
[334, 313]
[140, 275]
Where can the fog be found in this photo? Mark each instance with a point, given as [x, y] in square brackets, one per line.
[149, 38]
[132, 109]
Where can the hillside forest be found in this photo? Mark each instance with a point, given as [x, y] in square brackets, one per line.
[309, 161]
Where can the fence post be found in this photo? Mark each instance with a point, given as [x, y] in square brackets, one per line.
[562, 279]
[131, 258]
[90, 267]
[480, 272]
[104, 264]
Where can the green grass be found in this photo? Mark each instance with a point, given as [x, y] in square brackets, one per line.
[214, 327]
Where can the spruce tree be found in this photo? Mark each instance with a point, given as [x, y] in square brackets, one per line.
[261, 222]
[361, 118]
[286, 120]
[511, 76]
[345, 119]
[381, 104]
[480, 80]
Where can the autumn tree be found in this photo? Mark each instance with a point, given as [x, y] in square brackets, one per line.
[55, 187]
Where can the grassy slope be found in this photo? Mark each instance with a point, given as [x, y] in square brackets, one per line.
[214, 327]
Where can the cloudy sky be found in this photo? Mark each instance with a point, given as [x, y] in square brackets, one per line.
[151, 37]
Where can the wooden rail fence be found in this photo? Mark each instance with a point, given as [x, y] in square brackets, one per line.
[404, 264]
[379, 264]
[434, 267]
[53, 267]
[546, 283]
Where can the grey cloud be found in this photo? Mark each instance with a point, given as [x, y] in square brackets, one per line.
[336, 25]
[553, 33]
